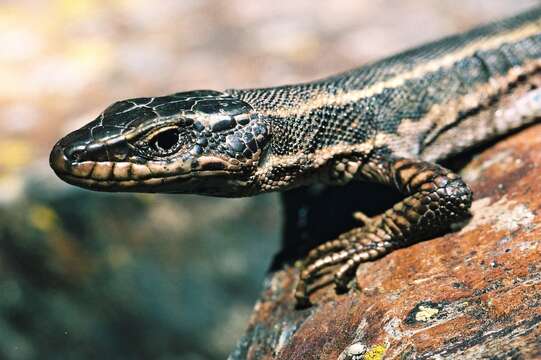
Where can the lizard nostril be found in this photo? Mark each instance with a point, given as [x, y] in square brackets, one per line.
[75, 153]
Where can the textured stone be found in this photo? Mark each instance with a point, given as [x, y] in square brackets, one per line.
[469, 293]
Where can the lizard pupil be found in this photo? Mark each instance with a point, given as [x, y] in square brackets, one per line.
[166, 141]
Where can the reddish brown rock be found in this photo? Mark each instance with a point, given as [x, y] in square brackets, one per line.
[468, 294]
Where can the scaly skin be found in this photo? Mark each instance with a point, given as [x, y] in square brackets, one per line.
[386, 122]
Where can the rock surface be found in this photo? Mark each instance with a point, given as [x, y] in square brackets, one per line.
[471, 293]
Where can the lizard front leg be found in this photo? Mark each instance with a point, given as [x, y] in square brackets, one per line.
[435, 198]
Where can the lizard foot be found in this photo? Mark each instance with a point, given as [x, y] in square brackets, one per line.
[435, 198]
[343, 255]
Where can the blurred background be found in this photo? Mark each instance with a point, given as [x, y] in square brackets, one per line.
[86, 275]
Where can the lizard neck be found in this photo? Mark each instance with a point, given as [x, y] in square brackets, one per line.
[307, 118]
[312, 129]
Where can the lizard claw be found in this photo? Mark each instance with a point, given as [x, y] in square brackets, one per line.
[346, 252]
[361, 217]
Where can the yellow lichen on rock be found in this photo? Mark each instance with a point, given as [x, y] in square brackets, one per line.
[376, 352]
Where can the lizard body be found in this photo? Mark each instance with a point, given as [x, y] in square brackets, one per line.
[388, 122]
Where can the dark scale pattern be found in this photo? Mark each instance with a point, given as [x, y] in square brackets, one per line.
[175, 129]
[375, 123]
[445, 198]
[382, 70]
[405, 61]
[471, 70]
[385, 111]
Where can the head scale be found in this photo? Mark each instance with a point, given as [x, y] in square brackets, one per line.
[204, 142]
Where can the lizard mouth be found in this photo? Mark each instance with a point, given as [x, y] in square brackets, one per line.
[182, 175]
[184, 183]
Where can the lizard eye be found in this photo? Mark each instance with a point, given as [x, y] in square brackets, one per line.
[165, 142]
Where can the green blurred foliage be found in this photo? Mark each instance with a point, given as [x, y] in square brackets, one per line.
[130, 276]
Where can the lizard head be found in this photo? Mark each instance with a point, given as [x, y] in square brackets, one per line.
[202, 142]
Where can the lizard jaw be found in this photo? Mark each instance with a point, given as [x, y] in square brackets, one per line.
[203, 174]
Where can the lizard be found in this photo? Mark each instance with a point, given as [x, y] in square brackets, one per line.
[392, 122]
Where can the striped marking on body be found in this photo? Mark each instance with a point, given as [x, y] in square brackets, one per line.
[325, 99]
